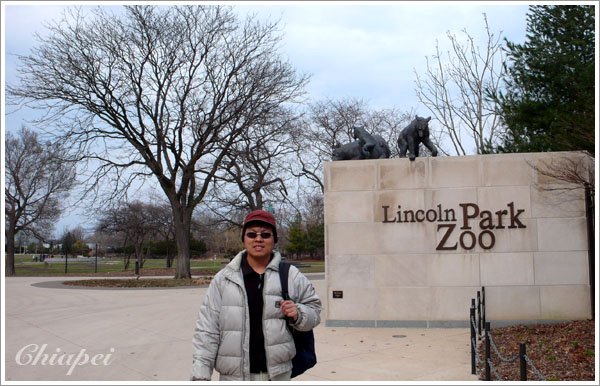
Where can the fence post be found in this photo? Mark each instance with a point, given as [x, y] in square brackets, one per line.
[483, 305]
[478, 314]
[522, 363]
[488, 353]
[589, 214]
[471, 318]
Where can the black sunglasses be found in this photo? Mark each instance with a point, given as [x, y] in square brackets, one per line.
[264, 235]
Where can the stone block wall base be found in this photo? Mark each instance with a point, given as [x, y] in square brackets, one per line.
[409, 244]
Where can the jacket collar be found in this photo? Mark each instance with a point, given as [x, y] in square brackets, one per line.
[236, 263]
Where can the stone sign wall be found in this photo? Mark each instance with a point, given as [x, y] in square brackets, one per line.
[410, 243]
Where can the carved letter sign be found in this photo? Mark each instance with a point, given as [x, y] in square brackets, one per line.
[477, 225]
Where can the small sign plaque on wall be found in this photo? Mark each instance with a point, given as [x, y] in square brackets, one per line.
[338, 294]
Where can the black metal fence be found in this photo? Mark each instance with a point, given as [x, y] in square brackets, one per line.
[478, 319]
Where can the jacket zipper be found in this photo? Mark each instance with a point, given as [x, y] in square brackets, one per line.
[243, 327]
[263, 281]
[243, 332]
[244, 300]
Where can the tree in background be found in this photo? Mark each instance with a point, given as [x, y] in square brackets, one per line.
[68, 241]
[158, 249]
[296, 237]
[134, 221]
[315, 226]
[80, 248]
[38, 180]
[79, 233]
[161, 216]
[549, 103]
[332, 122]
[255, 172]
[103, 242]
[157, 92]
[455, 89]
[197, 247]
[305, 234]
[315, 239]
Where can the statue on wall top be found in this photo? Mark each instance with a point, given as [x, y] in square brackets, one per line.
[412, 135]
[366, 146]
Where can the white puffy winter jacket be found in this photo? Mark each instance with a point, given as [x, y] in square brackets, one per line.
[222, 334]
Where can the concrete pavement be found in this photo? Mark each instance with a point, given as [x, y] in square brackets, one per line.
[145, 335]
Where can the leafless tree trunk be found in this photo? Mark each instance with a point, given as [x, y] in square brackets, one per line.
[126, 261]
[456, 89]
[160, 92]
[38, 180]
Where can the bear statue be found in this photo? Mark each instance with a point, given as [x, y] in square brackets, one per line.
[412, 135]
[366, 146]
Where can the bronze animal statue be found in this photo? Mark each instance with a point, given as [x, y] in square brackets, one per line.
[366, 146]
[412, 135]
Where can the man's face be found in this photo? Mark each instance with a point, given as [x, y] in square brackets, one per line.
[259, 247]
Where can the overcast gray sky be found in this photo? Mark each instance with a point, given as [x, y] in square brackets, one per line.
[352, 49]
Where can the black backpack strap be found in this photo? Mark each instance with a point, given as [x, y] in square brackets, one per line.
[304, 341]
[284, 270]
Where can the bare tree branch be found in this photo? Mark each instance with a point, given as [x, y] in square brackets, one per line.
[256, 170]
[576, 170]
[332, 122]
[456, 88]
[163, 92]
[38, 180]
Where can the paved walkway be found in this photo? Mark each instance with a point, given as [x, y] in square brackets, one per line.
[145, 335]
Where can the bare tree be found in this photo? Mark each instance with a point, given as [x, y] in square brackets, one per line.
[256, 170]
[335, 120]
[329, 122]
[103, 241]
[135, 221]
[456, 89]
[38, 180]
[332, 122]
[388, 123]
[79, 233]
[576, 169]
[159, 93]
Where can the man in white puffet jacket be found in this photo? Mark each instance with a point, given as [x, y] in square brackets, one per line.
[241, 330]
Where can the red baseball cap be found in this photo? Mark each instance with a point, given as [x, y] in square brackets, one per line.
[260, 216]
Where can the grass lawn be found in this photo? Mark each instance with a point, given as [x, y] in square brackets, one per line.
[25, 266]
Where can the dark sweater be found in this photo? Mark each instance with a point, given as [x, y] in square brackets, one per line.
[254, 285]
